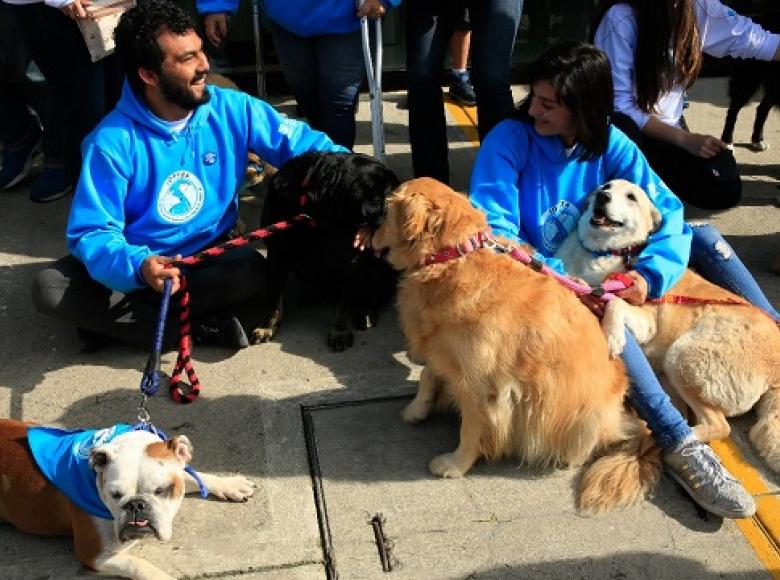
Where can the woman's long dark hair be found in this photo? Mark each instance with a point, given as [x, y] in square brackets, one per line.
[668, 46]
[582, 79]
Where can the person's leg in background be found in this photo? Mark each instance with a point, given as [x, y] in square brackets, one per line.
[79, 89]
[341, 70]
[494, 25]
[461, 88]
[716, 260]
[298, 59]
[429, 27]
[20, 130]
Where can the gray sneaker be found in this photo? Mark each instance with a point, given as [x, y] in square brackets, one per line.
[696, 467]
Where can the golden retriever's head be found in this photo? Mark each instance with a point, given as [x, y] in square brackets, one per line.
[617, 215]
[424, 216]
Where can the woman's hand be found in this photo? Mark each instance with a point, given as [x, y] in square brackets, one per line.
[636, 293]
[705, 146]
[216, 28]
[155, 270]
[372, 9]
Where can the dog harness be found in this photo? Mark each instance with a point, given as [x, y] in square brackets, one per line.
[63, 458]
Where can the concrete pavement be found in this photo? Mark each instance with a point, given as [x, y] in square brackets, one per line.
[283, 411]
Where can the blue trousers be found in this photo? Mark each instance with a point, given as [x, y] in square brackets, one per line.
[324, 73]
[712, 258]
[429, 26]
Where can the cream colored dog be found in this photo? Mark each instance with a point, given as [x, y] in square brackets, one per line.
[516, 353]
[720, 358]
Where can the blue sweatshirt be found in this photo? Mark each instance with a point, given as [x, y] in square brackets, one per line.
[533, 190]
[301, 17]
[145, 190]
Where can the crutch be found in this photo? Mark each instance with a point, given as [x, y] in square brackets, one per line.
[374, 74]
[259, 64]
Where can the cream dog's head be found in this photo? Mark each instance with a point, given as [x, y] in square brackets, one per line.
[141, 481]
[617, 215]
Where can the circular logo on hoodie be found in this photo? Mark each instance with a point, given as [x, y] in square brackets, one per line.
[180, 197]
[557, 223]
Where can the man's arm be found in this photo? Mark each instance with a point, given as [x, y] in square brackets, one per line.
[95, 230]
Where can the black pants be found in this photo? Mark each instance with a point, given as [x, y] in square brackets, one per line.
[83, 91]
[233, 283]
[429, 27]
[704, 183]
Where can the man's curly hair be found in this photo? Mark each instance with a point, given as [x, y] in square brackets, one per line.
[136, 36]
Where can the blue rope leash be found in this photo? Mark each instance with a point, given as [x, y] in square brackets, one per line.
[150, 382]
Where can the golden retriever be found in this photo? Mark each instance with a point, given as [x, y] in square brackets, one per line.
[522, 360]
[719, 354]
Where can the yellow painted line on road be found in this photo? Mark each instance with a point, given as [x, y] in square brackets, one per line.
[762, 531]
[465, 119]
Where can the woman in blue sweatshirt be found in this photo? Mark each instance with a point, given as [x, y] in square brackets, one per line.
[319, 48]
[531, 178]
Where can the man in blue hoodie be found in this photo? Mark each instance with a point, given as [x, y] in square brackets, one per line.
[159, 179]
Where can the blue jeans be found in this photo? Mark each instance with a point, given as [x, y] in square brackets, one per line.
[429, 26]
[324, 74]
[713, 258]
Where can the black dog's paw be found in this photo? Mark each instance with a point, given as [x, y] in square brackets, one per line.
[340, 338]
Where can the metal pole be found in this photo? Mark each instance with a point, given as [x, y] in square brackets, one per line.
[259, 64]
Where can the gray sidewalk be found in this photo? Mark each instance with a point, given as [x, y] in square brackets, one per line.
[273, 411]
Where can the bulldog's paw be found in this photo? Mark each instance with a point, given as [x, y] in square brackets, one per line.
[445, 466]
[235, 488]
[415, 412]
[340, 339]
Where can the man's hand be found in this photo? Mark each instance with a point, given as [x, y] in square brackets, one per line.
[372, 9]
[77, 10]
[155, 272]
[637, 293]
[216, 27]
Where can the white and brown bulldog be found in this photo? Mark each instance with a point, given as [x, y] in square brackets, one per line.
[114, 486]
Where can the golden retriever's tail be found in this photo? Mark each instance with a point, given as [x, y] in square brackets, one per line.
[765, 434]
[624, 475]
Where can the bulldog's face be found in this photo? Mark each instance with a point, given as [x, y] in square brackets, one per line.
[617, 215]
[141, 481]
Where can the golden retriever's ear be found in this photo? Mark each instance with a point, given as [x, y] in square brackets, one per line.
[657, 219]
[420, 216]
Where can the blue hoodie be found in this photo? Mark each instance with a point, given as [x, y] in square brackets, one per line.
[145, 190]
[533, 190]
[63, 457]
[301, 17]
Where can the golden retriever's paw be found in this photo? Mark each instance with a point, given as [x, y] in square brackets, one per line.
[446, 466]
[616, 342]
[261, 335]
[415, 412]
[234, 488]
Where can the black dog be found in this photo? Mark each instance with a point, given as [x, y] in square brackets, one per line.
[747, 77]
[341, 193]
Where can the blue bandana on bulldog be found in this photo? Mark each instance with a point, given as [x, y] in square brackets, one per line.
[63, 457]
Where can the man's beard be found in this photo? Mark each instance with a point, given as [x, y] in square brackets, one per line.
[182, 95]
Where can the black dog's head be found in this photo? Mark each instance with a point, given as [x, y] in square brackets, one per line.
[338, 190]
